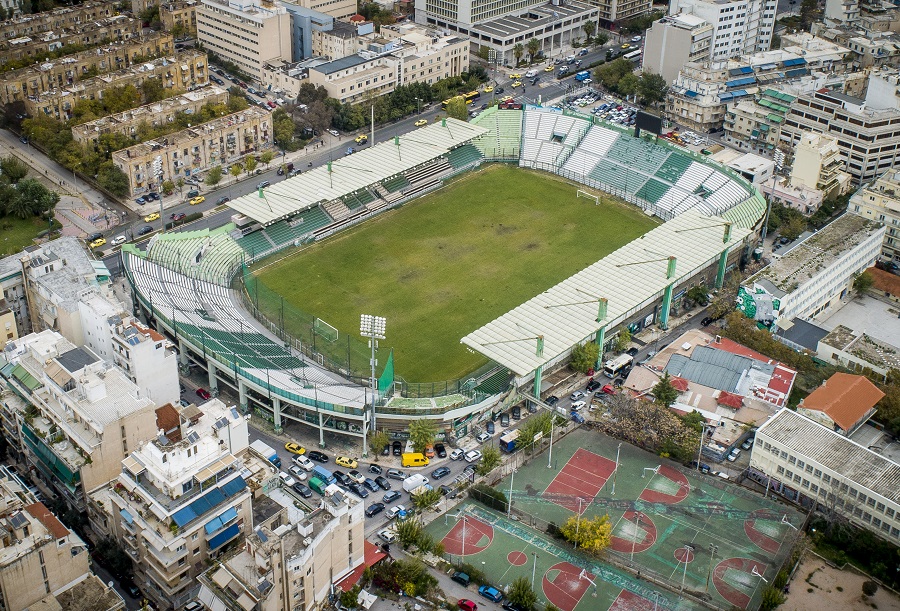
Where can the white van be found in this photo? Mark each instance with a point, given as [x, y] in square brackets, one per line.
[304, 463]
[531, 74]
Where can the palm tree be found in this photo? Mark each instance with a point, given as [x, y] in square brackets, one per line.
[589, 28]
[534, 45]
[518, 51]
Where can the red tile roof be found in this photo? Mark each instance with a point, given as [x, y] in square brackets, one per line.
[373, 555]
[845, 398]
[679, 384]
[885, 281]
[730, 400]
[50, 521]
[782, 379]
[169, 421]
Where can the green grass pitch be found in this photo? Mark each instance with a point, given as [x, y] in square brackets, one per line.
[447, 263]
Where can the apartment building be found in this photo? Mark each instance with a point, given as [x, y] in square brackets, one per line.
[181, 13]
[498, 26]
[817, 467]
[879, 201]
[196, 149]
[337, 9]
[843, 403]
[90, 34]
[83, 415]
[183, 71]
[755, 124]
[293, 558]
[9, 330]
[842, 11]
[66, 71]
[356, 77]
[247, 33]
[674, 41]
[739, 26]
[818, 164]
[305, 22]
[868, 138]
[342, 39]
[58, 19]
[149, 359]
[614, 11]
[39, 557]
[284, 77]
[180, 499]
[153, 115]
[816, 272]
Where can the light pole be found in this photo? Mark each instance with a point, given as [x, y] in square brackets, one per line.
[533, 569]
[688, 548]
[638, 518]
[577, 522]
[550, 451]
[712, 554]
[418, 106]
[465, 521]
[373, 328]
[616, 472]
[512, 476]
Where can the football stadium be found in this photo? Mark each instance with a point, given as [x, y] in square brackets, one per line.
[492, 249]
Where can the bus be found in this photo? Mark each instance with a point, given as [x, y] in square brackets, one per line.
[472, 96]
[612, 367]
[634, 54]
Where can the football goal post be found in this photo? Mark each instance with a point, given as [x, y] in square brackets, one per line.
[581, 193]
[325, 330]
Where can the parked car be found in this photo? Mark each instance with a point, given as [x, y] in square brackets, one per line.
[302, 489]
[342, 478]
[177, 216]
[632, 351]
[461, 578]
[391, 496]
[440, 472]
[578, 394]
[551, 400]
[356, 476]
[504, 420]
[140, 201]
[396, 474]
[482, 437]
[440, 450]
[387, 536]
[733, 455]
[359, 490]
[578, 405]
[318, 456]
[222, 200]
[397, 511]
[473, 456]
[374, 509]
[294, 448]
[516, 412]
[375, 469]
[592, 385]
[464, 604]
[145, 230]
[457, 454]
[371, 485]
[346, 461]
[397, 448]
[204, 394]
[748, 444]
[383, 482]
[286, 478]
[119, 239]
[491, 593]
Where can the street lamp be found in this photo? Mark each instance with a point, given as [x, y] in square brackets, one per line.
[688, 549]
[418, 106]
[578, 522]
[713, 549]
[616, 472]
[371, 327]
[534, 569]
[638, 518]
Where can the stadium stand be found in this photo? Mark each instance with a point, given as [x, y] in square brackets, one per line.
[398, 183]
[504, 137]
[463, 156]
[206, 254]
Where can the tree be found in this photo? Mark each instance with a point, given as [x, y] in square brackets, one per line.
[309, 93]
[112, 179]
[584, 357]
[653, 87]
[13, 168]
[249, 163]
[518, 52]
[179, 182]
[664, 393]
[350, 598]
[699, 294]
[590, 534]
[589, 28]
[623, 339]
[533, 46]
[422, 433]
[408, 532]
[168, 187]
[17, 207]
[235, 170]
[267, 157]
[794, 227]
[378, 441]
[808, 10]
[628, 84]
[427, 499]
[611, 73]
[457, 109]
[539, 423]
[152, 91]
[490, 459]
[178, 31]
[601, 39]
[38, 198]
[863, 282]
[521, 594]
[213, 176]
[771, 598]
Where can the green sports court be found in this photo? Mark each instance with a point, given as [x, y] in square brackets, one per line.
[673, 525]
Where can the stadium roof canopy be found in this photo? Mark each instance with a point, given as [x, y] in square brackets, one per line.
[630, 278]
[354, 172]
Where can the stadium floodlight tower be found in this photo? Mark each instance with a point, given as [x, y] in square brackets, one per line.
[373, 328]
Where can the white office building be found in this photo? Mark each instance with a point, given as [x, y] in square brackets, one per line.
[739, 26]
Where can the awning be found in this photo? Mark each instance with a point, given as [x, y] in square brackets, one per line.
[133, 466]
[794, 62]
[224, 537]
[220, 465]
[796, 72]
[741, 70]
[691, 94]
[184, 67]
[220, 521]
[741, 82]
[127, 516]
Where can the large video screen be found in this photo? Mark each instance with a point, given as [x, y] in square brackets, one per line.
[647, 122]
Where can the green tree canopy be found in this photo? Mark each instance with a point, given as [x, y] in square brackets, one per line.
[664, 393]
[521, 594]
[13, 169]
[653, 87]
[584, 357]
[422, 433]
[592, 535]
[214, 176]
[490, 460]
[457, 109]
[534, 46]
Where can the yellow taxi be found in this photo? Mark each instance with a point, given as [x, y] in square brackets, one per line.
[197, 200]
[548, 69]
[488, 89]
[346, 461]
[421, 122]
[97, 243]
[626, 46]
[506, 98]
[294, 448]
[516, 84]
[515, 75]
[153, 216]
[361, 139]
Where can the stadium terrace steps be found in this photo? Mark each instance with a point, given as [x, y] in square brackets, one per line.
[309, 221]
[337, 210]
[462, 156]
[395, 184]
[426, 172]
[504, 137]
[205, 254]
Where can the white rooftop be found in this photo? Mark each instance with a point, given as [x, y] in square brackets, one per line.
[631, 277]
[354, 172]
